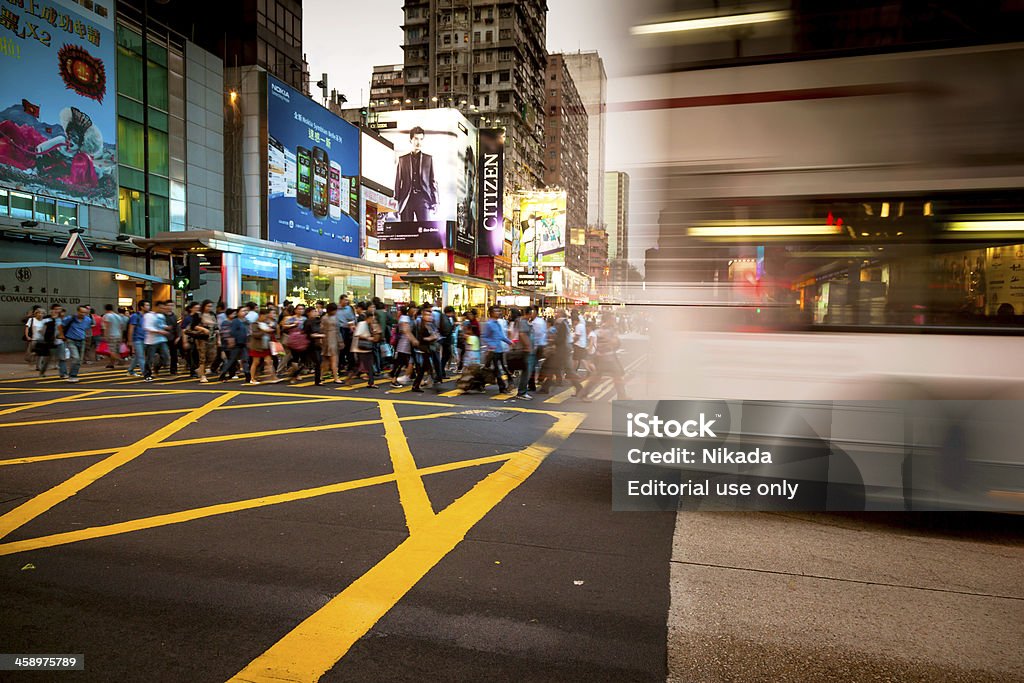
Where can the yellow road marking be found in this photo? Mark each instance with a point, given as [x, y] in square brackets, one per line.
[561, 396]
[144, 523]
[56, 456]
[40, 404]
[453, 393]
[316, 645]
[358, 385]
[148, 413]
[27, 460]
[325, 397]
[44, 501]
[503, 397]
[411, 492]
[400, 391]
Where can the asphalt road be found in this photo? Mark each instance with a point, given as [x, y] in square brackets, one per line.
[179, 532]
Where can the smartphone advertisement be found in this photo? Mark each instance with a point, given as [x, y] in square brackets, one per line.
[312, 168]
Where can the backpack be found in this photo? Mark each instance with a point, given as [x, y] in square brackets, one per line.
[445, 326]
[50, 331]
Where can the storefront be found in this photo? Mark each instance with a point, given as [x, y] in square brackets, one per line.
[246, 269]
[458, 291]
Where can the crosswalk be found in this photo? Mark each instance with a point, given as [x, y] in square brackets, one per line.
[119, 377]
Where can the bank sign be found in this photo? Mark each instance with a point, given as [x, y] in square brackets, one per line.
[312, 174]
[58, 100]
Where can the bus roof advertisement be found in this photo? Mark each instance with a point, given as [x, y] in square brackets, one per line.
[58, 112]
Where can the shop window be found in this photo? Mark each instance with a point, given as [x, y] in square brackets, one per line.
[21, 205]
[4, 210]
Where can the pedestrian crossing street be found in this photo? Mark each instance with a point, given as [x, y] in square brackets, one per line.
[118, 377]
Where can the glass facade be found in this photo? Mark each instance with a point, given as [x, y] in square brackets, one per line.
[42, 209]
[164, 73]
[309, 283]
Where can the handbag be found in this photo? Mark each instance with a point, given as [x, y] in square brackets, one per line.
[364, 344]
[297, 340]
[515, 360]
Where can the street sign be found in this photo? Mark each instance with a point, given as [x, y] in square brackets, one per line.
[75, 250]
[523, 279]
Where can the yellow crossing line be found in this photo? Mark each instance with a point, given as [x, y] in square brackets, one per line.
[316, 645]
[326, 397]
[78, 535]
[40, 404]
[44, 501]
[400, 391]
[148, 413]
[222, 438]
[411, 492]
[82, 378]
[453, 393]
[358, 385]
[503, 397]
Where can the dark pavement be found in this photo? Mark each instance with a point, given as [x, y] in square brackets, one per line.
[548, 585]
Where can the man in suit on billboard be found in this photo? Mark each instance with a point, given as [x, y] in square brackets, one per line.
[415, 184]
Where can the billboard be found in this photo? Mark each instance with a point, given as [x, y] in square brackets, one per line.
[491, 236]
[312, 174]
[540, 237]
[58, 107]
[377, 162]
[434, 176]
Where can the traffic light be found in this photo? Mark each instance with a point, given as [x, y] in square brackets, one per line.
[187, 277]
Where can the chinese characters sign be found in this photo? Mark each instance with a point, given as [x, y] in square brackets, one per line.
[58, 116]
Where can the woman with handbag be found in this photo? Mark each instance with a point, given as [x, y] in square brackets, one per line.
[204, 333]
[362, 345]
[259, 347]
[332, 340]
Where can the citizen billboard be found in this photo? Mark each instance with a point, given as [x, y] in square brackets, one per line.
[491, 237]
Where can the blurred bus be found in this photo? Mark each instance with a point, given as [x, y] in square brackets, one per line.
[842, 227]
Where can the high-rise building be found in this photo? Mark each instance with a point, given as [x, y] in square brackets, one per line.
[587, 71]
[616, 214]
[486, 58]
[597, 256]
[565, 146]
[387, 87]
[266, 33]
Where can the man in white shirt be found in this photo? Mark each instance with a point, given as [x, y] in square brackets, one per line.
[579, 340]
[540, 341]
[157, 332]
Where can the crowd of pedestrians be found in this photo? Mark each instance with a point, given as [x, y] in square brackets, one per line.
[516, 350]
